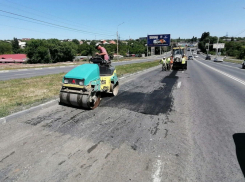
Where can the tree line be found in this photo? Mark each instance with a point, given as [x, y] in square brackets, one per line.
[235, 47]
[54, 50]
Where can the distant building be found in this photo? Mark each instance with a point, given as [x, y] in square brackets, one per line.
[228, 39]
[22, 44]
[112, 42]
[26, 39]
[103, 42]
[13, 58]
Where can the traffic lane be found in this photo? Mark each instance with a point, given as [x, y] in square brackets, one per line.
[216, 111]
[235, 65]
[27, 73]
[33, 72]
[237, 73]
[138, 139]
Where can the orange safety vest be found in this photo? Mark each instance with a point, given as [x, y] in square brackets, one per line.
[171, 60]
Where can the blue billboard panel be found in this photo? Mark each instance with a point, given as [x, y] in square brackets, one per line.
[158, 40]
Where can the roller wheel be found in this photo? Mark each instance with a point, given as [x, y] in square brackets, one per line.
[95, 101]
[114, 88]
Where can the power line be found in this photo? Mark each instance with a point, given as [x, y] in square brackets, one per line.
[29, 29]
[240, 33]
[31, 21]
[50, 15]
[56, 24]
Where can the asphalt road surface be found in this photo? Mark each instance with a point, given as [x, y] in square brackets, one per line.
[27, 73]
[163, 126]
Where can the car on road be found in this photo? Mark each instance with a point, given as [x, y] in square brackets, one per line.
[243, 65]
[117, 56]
[195, 56]
[208, 57]
[190, 57]
[218, 59]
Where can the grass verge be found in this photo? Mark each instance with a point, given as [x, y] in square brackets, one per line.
[21, 94]
[234, 61]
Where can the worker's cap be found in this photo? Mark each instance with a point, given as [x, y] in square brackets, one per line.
[97, 45]
[164, 58]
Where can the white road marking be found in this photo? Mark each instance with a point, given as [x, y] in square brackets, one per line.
[179, 85]
[157, 174]
[24, 74]
[223, 73]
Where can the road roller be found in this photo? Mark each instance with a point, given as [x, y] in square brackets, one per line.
[83, 85]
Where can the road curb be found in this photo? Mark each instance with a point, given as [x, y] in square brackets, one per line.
[27, 111]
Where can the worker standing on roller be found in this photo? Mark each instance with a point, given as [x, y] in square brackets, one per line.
[103, 52]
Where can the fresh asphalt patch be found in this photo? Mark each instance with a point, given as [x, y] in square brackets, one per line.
[148, 97]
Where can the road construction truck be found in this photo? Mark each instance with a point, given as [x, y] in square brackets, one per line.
[83, 85]
[178, 53]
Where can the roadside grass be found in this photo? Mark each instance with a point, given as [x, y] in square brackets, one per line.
[131, 68]
[21, 94]
[234, 61]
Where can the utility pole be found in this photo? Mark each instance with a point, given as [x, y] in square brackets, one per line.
[217, 47]
[117, 38]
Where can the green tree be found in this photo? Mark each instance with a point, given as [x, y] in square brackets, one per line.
[68, 51]
[204, 36]
[76, 41]
[242, 53]
[15, 46]
[5, 47]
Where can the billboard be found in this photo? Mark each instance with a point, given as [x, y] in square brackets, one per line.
[219, 46]
[158, 40]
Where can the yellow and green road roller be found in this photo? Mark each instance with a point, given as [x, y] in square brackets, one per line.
[83, 85]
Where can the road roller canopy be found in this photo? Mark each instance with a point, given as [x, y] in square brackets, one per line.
[88, 72]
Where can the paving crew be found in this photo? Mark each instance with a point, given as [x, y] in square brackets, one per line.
[183, 62]
[168, 63]
[171, 62]
[163, 62]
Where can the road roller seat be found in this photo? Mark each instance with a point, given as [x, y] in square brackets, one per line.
[106, 70]
[105, 66]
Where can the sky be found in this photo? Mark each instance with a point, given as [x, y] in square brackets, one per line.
[102, 19]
